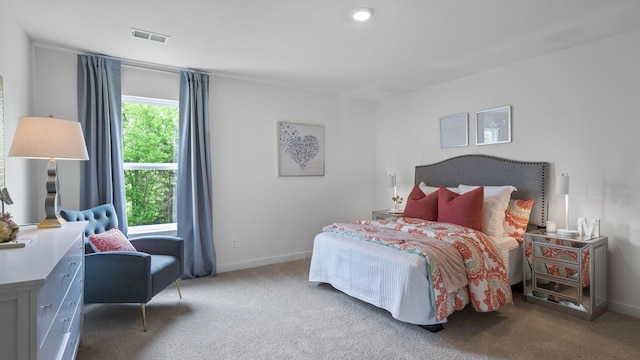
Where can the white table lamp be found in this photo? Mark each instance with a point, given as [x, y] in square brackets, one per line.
[49, 138]
[562, 187]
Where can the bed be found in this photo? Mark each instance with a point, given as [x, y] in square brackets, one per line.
[372, 267]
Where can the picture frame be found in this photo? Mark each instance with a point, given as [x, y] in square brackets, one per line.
[493, 126]
[454, 130]
[300, 149]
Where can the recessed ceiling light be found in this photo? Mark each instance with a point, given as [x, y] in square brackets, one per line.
[362, 14]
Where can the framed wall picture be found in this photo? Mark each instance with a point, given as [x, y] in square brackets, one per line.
[300, 149]
[493, 126]
[454, 130]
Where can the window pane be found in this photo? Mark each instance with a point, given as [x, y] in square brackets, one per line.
[150, 143]
[150, 196]
[149, 133]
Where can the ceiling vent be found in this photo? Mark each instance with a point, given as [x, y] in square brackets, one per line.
[147, 35]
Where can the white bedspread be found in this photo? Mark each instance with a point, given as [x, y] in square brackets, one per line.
[386, 277]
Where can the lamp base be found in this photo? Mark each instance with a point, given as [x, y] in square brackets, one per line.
[58, 222]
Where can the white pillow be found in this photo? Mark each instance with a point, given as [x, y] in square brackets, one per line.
[496, 201]
[426, 189]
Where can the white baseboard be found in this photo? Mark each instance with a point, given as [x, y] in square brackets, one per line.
[624, 309]
[221, 268]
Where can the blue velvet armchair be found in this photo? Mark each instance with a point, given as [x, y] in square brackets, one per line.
[126, 276]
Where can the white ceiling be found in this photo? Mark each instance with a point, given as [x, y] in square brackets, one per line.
[314, 45]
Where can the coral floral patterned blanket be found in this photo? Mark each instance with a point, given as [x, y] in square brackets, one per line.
[486, 276]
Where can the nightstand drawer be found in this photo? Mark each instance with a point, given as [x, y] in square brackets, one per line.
[567, 289]
[560, 261]
[558, 251]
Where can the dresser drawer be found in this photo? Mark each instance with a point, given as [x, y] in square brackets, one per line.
[55, 339]
[65, 335]
[73, 300]
[55, 289]
[71, 340]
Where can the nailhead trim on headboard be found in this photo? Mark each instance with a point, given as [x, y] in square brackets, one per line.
[529, 177]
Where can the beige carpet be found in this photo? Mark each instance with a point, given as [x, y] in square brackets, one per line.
[273, 312]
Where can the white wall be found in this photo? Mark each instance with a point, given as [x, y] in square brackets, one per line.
[54, 94]
[270, 218]
[150, 83]
[15, 68]
[275, 218]
[577, 109]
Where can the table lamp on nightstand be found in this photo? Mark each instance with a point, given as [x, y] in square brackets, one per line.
[562, 187]
[396, 199]
[51, 139]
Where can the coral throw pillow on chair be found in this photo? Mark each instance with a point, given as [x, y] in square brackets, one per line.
[111, 240]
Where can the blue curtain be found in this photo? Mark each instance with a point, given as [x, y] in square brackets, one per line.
[99, 110]
[194, 176]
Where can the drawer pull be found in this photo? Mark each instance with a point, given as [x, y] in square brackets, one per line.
[72, 263]
[65, 275]
[65, 320]
[47, 306]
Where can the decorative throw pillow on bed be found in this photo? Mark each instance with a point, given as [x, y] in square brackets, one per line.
[421, 206]
[517, 218]
[496, 201]
[111, 240]
[462, 209]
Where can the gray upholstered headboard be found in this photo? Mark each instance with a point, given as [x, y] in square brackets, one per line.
[530, 178]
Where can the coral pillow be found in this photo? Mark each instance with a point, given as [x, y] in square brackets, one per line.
[421, 206]
[111, 240]
[464, 210]
[517, 218]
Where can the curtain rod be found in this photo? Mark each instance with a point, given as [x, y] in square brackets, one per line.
[139, 64]
[146, 65]
[125, 62]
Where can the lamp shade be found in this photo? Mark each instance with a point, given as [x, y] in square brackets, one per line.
[392, 180]
[562, 185]
[47, 138]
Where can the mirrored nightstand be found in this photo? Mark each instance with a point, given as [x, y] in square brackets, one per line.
[567, 274]
[385, 214]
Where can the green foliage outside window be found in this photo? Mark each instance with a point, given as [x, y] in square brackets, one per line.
[149, 135]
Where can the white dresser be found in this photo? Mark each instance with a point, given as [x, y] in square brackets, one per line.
[41, 288]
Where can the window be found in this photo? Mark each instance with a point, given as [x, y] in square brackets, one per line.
[150, 151]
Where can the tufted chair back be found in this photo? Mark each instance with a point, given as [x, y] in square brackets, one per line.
[101, 218]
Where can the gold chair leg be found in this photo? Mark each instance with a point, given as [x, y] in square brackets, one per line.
[144, 313]
[178, 287]
[144, 318]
